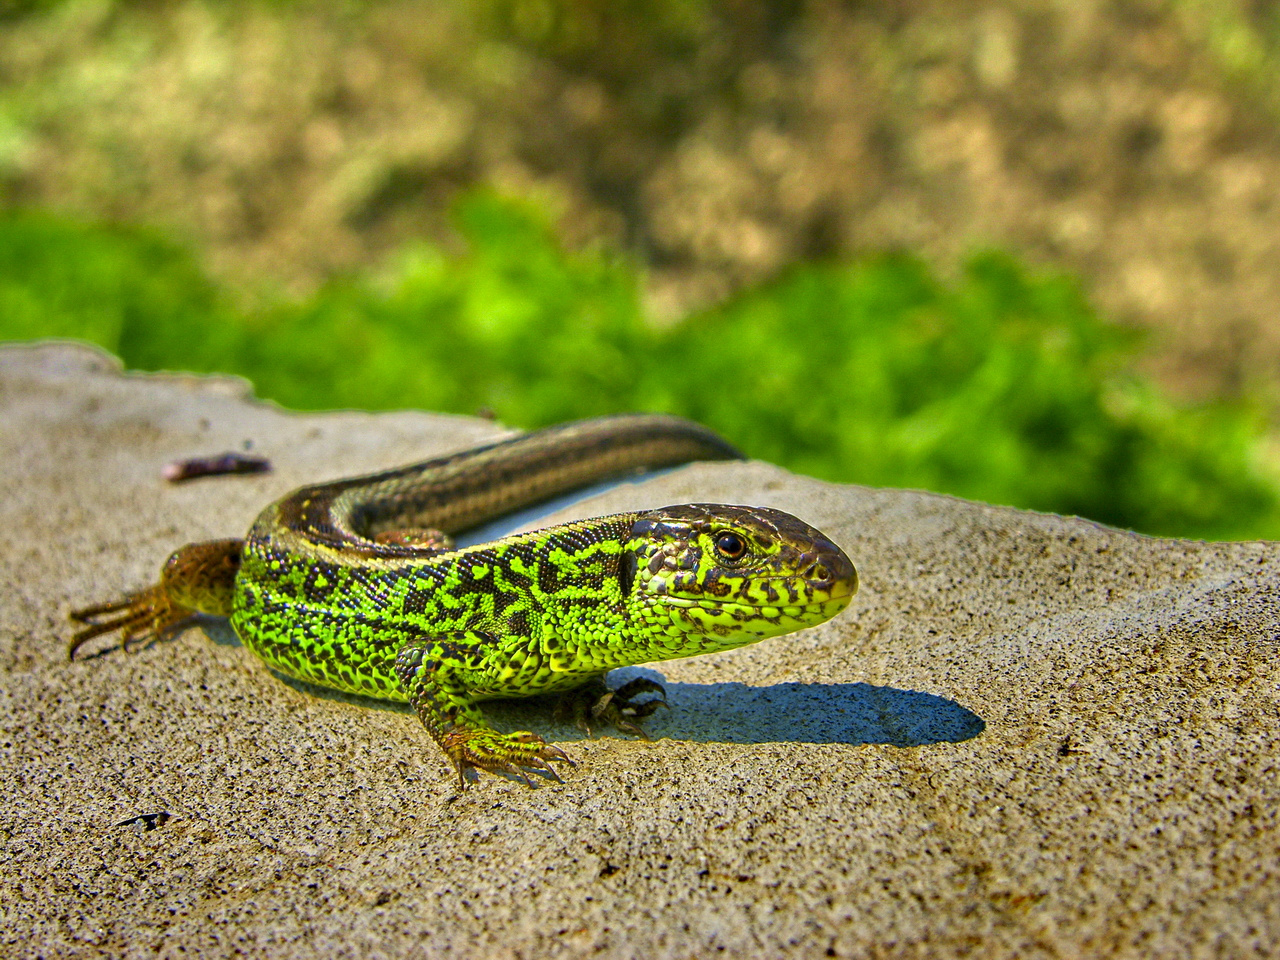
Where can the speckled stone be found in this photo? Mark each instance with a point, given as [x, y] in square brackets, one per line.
[1029, 736]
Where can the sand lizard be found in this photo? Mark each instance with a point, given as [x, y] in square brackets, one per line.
[357, 584]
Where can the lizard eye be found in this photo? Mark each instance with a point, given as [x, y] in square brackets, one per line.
[730, 546]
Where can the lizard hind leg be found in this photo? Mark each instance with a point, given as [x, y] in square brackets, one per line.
[431, 671]
[435, 541]
[197, 578]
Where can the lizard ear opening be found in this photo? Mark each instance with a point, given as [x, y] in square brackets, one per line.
[627, 571]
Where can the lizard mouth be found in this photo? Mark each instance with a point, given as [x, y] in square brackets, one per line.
[824, 608]
[833, 593]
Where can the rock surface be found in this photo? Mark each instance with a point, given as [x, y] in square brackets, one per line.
[1029, 736]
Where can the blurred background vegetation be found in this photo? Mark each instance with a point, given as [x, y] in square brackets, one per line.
[864, 241]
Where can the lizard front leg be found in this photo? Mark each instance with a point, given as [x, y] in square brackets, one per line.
[431, 670]
[594, 700]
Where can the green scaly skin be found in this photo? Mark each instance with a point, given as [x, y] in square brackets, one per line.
[356, 586]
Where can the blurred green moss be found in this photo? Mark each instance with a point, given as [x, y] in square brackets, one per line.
[1000, 385]
[1242, 37]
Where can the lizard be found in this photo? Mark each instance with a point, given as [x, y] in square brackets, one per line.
[357, 585]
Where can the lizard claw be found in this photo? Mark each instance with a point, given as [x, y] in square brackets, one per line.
[146, 615]
[513, 754]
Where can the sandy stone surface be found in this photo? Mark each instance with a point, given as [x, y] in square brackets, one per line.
[1029, 736]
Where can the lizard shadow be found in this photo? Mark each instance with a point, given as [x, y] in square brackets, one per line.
[848, 713]
[794, 712]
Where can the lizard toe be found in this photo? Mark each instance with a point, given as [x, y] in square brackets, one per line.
[513, 754]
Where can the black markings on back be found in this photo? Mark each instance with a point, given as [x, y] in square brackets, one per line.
[627, 572]
[319, 583]
[418, 600]
[518, 622]
[548, 576]
[514, 579]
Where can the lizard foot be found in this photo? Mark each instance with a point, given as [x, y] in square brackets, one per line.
[617, 707]
[435, 541]
[513, 754]
[145, 615]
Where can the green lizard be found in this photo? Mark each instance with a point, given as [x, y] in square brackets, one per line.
[356, 585]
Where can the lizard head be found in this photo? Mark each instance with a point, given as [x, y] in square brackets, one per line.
[714, 576]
